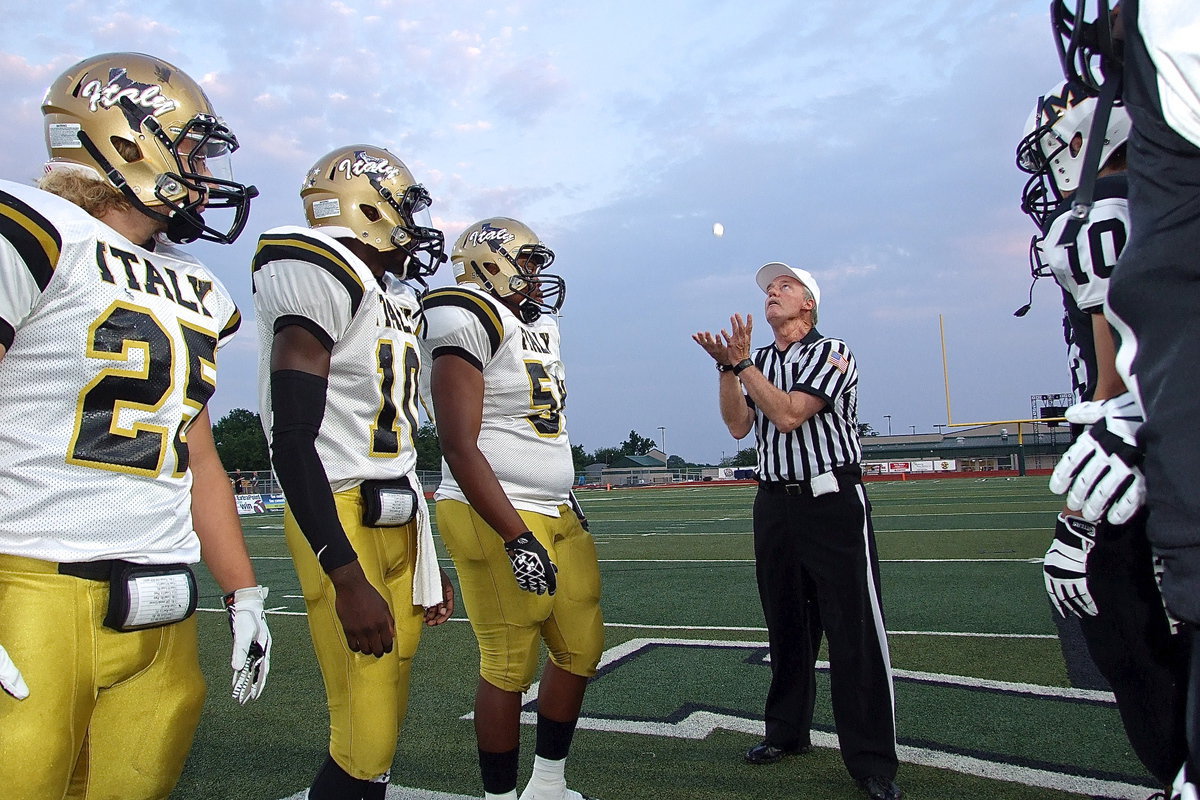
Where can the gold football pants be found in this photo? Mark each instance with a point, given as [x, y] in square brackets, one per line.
[507, 620]
[110, 715]
[367, 696]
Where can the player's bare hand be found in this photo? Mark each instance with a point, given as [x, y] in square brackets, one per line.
[436, 615]
[366, 619]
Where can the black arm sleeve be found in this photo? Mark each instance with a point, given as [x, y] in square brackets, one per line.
[297, 408]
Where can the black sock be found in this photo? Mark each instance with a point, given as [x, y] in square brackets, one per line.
[374, 791]
[499, 770]
[554, 738]
[334, 783]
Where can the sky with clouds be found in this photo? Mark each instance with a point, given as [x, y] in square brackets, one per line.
[870, 143]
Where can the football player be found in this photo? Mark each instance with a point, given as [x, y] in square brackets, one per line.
[526, 565]
[339, 362]
[1101, 572]
[110, 483]
[1147, 49]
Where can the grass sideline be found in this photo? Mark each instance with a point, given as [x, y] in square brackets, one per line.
[984, 708]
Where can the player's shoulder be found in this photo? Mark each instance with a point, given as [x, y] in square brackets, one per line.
[1111, 187]
[1110, 199]
[462, 306]
[474, 302]
[291, 248]
[40, 224]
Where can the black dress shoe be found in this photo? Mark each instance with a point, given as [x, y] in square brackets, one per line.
[880, 788]
[767, 753]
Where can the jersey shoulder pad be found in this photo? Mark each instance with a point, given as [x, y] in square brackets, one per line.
[38, 225]
[300, 245]
[480, 308]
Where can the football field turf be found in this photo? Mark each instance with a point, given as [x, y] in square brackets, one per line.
[984, 708]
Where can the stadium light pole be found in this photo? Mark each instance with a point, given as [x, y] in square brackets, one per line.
[888, 417]
[662, 430]
[914, 429]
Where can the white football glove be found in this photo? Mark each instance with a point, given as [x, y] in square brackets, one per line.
[1183, 788]
[251, 659]
[11, 680]
[1101, 471]
[1065, 566]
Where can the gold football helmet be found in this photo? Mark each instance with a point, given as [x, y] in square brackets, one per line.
[148, 129]
[367, 194]
[504, 257]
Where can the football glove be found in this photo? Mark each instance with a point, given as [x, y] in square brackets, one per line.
[1101, 473]
[578, 509]
[1182, 788]
[1065, 566]
[251, 659]
[11, 680]
[531, 565]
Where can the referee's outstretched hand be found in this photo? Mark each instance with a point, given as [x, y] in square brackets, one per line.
[739, 343]
[728, 348]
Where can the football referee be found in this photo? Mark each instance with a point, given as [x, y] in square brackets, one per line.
[814, 543]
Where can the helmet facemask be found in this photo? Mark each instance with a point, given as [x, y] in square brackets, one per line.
[1036, 153]
[420, 246]
[203, 182]
[540, 292]
[1088, 51]
[543, 293]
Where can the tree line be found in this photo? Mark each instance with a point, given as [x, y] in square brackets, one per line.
[243, 447]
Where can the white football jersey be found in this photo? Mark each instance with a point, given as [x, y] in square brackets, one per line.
[305, 277]
[111, 356]
[1083, 268]
[524, 432]
[1171, 31]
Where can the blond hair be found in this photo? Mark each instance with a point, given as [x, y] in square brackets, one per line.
[93, 196]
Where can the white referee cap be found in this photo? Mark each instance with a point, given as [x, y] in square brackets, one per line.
[773, 270]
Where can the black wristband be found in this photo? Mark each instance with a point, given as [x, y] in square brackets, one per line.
[742, 365]
[724, 367]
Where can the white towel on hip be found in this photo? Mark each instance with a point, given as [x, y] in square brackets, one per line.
[427, 576]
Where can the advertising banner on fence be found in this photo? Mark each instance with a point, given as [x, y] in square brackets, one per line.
[258, 503]
[905, 467]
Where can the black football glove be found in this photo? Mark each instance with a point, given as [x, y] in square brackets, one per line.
[531, 565]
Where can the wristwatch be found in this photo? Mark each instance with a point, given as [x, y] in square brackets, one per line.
[724, 367]
[744, 364]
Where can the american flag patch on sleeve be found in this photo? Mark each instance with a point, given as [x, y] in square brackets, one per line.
[838, 361]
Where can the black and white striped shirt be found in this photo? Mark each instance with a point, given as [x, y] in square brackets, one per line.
[828, 440]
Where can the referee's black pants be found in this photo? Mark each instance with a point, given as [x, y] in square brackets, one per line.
[823, 548]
